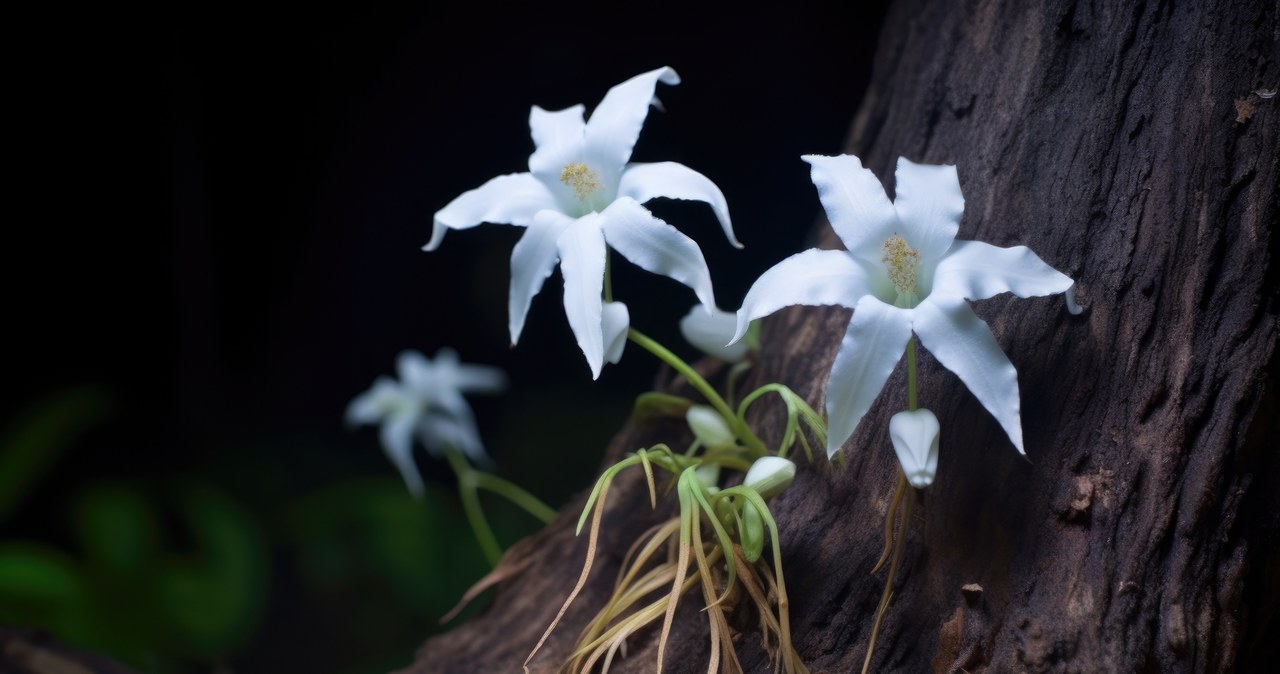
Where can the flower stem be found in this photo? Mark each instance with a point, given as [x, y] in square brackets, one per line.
[471, 505]
[911, 374]
[739, 427]
[513, 493]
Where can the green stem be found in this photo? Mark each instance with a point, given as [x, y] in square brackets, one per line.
[911, 374]
[513, 493]
[471, 505]
[740, 427]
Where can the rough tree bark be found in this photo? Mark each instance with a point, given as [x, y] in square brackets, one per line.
[1128, 146]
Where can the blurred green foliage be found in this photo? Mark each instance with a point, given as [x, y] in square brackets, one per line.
[203, 569]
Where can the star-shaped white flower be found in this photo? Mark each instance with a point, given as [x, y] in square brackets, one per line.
[581, 194]
[903, 272]
[427, 400]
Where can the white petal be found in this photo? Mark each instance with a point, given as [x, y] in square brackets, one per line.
[872, 346]
[615, 321]
[710, 329]
[963, 343]
[915, 441]
[417, 374]
[855, 202]
[467, 378]
[615, 123]
[532, 260]
[814, 277]
[441, 430]
[929, 204]
[372, 405]
[655, 246]
[506, 200]
[668, 179]
[558, 139]
[1069, 295]
[582, 251]
[397, 441]
[975, 270]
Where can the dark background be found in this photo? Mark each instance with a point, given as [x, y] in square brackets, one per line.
[216, 228]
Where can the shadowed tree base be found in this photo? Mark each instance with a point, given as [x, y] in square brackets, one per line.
[1132, 146]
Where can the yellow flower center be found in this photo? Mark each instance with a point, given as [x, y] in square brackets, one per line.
[581, 178]
[901, 261]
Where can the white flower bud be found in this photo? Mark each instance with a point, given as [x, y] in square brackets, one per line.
[915, 439]
[770, 475]
[709, 427]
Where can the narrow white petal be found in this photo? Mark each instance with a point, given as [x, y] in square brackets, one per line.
[976, 270]
[929, 204]
[615, 321]
[710, 329]
[615, 123]
[479, 379]
[557, 137]
[963, 343]
[855, 202]
[813, 277]
[1070, 296]
[668, 179]
[417, 374]
[872, 346]
[466, 378]
[372, 405]
[655, 246]
[397, 441]
[582, 251]
[506, 200]
[915, 441]
[532, 260]
[439, 431]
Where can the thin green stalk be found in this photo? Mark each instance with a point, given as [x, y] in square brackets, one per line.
[911, 374]
[513, 493]
[471, 505]
[740, 427]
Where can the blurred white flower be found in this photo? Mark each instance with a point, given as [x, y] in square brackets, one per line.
[915, 441]
[427, 400]
[903, 272]
[581, 194]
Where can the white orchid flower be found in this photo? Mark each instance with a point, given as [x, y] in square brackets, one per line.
[427, 400]
[710, 328]
[903, 272]
[915, 440]
[581, 195]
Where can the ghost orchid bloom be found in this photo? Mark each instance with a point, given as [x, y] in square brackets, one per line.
[427, 400]
[580, 195]
[903, 272]
[915, 440]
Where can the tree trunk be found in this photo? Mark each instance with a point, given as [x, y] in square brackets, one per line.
[1133, 146]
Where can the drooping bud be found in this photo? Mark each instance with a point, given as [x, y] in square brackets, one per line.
[709, 427]
[770, 475]
[915, 440]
